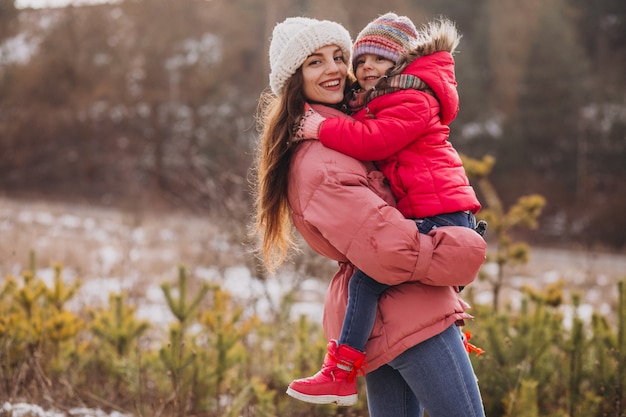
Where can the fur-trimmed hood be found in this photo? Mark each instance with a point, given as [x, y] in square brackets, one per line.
[431, 62]
[437, 71]
[435, 36]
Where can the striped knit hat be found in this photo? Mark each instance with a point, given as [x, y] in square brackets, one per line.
[388, 36]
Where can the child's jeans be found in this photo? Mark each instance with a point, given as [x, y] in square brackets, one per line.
[363, 291]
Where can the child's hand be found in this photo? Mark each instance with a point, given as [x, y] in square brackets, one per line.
[308, 127]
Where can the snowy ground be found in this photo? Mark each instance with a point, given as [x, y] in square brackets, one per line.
[591, 274]
[111, 251]
[29, 410]
[114, 251]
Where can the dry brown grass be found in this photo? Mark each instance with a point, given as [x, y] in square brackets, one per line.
[99, 242]
[142, 248]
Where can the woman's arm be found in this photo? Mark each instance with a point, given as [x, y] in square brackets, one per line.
[334, 207]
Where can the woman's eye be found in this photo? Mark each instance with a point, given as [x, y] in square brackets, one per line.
[339, 58]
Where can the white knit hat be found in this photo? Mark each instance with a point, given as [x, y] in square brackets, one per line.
[295, 39]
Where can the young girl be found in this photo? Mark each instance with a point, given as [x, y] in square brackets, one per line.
[405, 101]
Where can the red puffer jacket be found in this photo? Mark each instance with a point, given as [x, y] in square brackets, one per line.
[342, 209]
[406, 134]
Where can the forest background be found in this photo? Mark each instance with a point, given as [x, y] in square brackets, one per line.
[151, 103]
[147, 106]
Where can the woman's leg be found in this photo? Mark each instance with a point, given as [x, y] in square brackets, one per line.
[388, 395]
[440, 375]
[363, 295]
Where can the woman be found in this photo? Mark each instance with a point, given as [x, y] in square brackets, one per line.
[416, 359]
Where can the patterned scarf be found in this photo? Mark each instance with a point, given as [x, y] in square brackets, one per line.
[398, 82]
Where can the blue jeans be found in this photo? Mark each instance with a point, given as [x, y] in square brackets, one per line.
[435, 375]
[364, 292]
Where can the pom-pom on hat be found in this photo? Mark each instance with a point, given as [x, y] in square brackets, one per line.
[295, 39]
[388, 36]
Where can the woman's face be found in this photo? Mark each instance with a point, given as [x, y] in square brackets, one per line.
[324, 73]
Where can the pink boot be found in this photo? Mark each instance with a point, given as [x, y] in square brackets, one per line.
[335, 382]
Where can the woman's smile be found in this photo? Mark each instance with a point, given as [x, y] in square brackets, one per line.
[324, 73]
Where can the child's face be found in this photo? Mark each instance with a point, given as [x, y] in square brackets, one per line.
[369, 68]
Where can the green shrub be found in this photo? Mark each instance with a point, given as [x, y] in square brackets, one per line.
[534, 360]
[216, 360]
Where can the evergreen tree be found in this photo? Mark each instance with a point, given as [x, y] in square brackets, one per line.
[8, 18]
[546, 127]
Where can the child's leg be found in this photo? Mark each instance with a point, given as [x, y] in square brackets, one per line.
[363, 295]
[336, 382]
[364, 292]
[459, 218]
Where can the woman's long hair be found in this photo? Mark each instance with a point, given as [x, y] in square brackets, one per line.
[276, 117]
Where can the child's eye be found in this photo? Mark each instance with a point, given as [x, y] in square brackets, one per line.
[360, 62]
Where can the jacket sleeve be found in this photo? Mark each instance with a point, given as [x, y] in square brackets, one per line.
[399, 118]
[377, 239]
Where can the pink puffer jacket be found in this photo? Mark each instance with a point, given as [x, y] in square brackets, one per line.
[342, 209]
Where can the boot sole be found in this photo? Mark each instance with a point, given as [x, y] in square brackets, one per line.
[346, 400]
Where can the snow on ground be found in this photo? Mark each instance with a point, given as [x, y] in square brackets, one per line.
[112, 251]
[40, 4]
[593, 275]
[30, 410]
